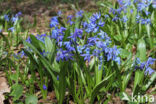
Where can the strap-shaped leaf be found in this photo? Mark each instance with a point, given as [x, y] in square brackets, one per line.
[43, 60]
[139, 75]
[141, 49]
[98, 87]
[152, 79]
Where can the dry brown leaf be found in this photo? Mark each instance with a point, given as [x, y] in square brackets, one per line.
[51, 95]
[4, 88]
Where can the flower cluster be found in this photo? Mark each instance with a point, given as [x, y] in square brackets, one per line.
[13, 20]
[126, 6]
[70, 19]
[97, 46]
[79, 13]
[95, 22]
[145, 65]
[154, 3]
[74, 43]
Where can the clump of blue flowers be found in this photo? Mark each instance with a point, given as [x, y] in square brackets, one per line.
[14, 20]
[95, 22]
[99, 46]
[128, 6]
[75, 44]
[145, 65]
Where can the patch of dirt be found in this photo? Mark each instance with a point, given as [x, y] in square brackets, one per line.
[35, 11]
[4, 88]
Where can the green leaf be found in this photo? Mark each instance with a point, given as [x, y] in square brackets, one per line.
[98, 74]
[50, 49]
[48, 45]
[139, 75]
[141, 49]
[149, 35]
[151, 80]
[31, 99]
[62, 82]
[43, 60]
[118, 37]
[124, 53]
[17, 91]
[125, 79]
[37, 43]
[97, 88]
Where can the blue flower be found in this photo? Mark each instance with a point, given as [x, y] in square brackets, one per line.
[68, 56]
[117, 59]
[154, 4]
[59, 13]
[55, 33]
[119, 10]
[93, 19]
[28, 40]
[85, 24]
[68, 46]
[137, 16]
[22, 54]
[145, 65]
[44, 54]
[131, 11]
[96, 29]
[41, 37]
[145, 21]
[70, 19]
[18, 14]
[59, 39]
[138, 61]
[44, 87]
[57, 77]
[61, 30]
[150, 61]
[100, 44]
[76, 34]
[54, 22]
[100, 62]
[97, 15]
[106, 16]
[6, 17]
[112, 11]
[124, 19]
[63, 55]
[149, 71]
[12, 29]
[115, 18]
[79, 13]
[147, 13]
[93, 39]
[103, 35]
[14, 19]
[59, 55]
[101, 23]
[91, 26]
[96, 52]
[86, 57]
[141, 6]
[80, 49]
